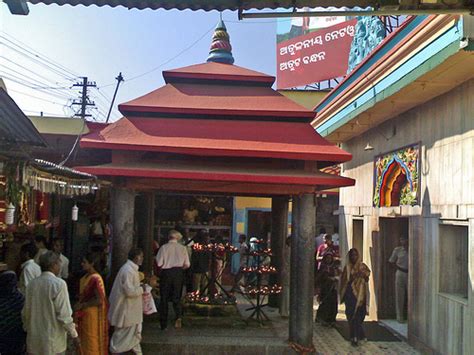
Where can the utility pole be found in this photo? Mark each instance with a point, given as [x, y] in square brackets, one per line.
[84, 102]
[119, 79]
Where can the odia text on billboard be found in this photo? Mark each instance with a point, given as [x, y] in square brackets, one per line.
[315, 56]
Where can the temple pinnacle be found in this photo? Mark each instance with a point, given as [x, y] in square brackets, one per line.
[221, 50]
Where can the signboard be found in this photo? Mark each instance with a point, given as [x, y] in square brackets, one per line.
[315, 56]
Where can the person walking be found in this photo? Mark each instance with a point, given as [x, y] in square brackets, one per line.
[200, 265]
[91, 310]
[399, 258]
[47, 314]
[12, 335]
[29, 268]
[353, 293]
[126, 306]
[172, 259]
[243, 261]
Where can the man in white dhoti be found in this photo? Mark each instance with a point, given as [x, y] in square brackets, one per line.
[47, 314]
[126, 306]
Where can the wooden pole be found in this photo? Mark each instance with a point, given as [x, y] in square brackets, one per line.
[147, 243]
[122, 214]
[279, 234]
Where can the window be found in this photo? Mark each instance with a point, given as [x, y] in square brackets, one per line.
[453, 275]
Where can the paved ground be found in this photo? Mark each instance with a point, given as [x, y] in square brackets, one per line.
[234, 335]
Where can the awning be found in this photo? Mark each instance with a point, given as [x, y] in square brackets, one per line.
[189, 176]
[280, 140]
[219, 5]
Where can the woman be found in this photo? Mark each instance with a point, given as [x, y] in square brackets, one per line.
[12, 336]
[326, 282]
[353, 293]
[91, 310]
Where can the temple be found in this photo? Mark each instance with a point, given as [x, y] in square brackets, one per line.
[219, 129]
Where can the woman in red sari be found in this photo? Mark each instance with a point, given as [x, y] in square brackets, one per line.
[91, 310]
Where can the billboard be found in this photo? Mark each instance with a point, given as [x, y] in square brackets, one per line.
[315, 56]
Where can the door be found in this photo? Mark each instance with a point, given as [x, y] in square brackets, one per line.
[391, 229]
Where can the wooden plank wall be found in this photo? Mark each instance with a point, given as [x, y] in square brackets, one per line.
[445, 127]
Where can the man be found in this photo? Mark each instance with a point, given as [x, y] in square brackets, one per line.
[400, 259]
[172, 259]
[319, 240]
[47, 314]
[243, 258]
[335, 236]
[29, 269]
[58, 247]
[40, 242]
[126, 306]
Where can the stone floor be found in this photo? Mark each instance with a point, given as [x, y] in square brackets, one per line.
[234, 335]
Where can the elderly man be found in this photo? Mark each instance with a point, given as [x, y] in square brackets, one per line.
[126, 306]
[47, 314]
[172, 259]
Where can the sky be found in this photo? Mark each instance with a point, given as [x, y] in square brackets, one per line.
[44, 53]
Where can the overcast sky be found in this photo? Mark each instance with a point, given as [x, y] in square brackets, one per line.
[53, 45]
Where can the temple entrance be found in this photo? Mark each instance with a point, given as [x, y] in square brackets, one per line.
[259, 224]
[391, 229]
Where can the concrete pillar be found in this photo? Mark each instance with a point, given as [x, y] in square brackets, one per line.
[292, 333]
[279, 234]
[305, 284]
[122, 213]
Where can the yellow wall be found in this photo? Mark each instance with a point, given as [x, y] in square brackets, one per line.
[305, 98]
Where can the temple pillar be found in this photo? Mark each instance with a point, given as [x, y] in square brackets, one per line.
[150, 231]
[304, 254]
[305, 284]
[279, 234]
[294, 269]
[122, 214]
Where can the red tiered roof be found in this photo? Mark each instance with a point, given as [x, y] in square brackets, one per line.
[180, 133]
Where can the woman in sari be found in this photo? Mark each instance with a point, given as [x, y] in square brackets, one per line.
[326, 283]
[91, 310]
[353, 292]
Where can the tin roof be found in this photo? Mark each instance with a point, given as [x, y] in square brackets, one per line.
[15, 127]
[220, 5]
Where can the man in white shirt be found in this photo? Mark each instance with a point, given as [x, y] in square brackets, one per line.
[126, 306]
[58, 247]
[172, 259]
[399, 258]
[335, 236]
[29, 269]
[47, 314]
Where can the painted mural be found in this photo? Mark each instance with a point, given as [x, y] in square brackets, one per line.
[397, 177]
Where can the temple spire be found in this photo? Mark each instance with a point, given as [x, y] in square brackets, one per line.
[221, 50]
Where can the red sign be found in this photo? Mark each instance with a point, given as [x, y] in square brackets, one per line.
[316, 56]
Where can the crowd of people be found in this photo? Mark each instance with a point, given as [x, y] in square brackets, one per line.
[37, 315]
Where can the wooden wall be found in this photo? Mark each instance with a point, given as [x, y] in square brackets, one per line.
[438, 322]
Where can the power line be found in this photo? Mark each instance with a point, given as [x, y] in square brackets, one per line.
[84, 102]
[34, 73]
[31, 85]
[38, 54]
[167, 61]
[56, 71]
[35, 97]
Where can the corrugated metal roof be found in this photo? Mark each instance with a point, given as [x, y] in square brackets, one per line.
[15, 127]
[220, 5]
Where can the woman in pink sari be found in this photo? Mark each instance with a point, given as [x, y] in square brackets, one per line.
[91, 310]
